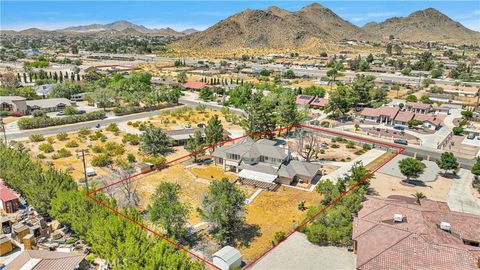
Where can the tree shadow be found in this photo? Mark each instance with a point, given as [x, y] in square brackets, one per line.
[246, 233]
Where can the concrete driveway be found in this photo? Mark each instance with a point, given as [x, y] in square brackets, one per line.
[460, 197]
[297, 253]
[429, 175]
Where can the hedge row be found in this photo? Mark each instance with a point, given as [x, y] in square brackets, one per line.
[40, 122]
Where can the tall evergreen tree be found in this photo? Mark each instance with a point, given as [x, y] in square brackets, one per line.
[213, 131]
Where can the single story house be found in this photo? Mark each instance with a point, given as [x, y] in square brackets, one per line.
[319, 102]
[46, 260]
[403, 117]
[304, 100]
[13, 104]
[383, 114]
[430, 121]
[459, 90]
[418, 107]
[49, 105]
[194, 85]
[264, 163]
[180, 136]
[9, 201]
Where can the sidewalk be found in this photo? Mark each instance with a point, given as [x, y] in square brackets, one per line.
[460, 197]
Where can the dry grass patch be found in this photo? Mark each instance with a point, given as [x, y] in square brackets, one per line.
[190, 117]
[276, 211]
[211, 172]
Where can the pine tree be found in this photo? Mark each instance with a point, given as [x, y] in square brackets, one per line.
[213, 131]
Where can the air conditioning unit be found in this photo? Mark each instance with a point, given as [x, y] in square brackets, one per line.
[445, 226]
[398, 217]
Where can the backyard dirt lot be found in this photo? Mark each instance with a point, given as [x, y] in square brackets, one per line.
[269, 213]
[385, 185]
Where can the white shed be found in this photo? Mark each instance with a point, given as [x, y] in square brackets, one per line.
[227, 258]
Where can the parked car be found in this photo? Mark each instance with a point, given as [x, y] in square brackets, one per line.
[401, 141]
[397, 127]
[471, 136]
[61, 113]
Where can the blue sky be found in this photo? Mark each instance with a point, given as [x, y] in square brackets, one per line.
[180, 15]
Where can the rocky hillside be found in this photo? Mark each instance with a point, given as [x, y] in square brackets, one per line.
[424, 25]
[275, 28]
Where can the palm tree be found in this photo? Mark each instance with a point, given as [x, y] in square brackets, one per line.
[418, 196]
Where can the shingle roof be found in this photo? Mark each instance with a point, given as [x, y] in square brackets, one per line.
[418, 105]
[6, 194]
[48, 103]
[381, 111]
[321, 102]
[404, 116]
[303, 99]
[46, 260]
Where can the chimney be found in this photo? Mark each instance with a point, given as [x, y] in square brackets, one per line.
[445, 226]
[398, 218]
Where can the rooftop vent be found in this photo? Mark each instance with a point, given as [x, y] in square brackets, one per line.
[398, 217]
[445, 226]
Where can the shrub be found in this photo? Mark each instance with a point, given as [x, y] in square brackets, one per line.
[71, 144]
[457, 130]
[113, 127]
[46, 148]
[334, 145]
[325, 123]
[98, 149]
[39, 113]
[84, 132]
[131, 158]
[62, 153]
[40, 122]
[350, 145]
[36, 138]
[277, 237]
[155, 160]
[132, 139]
[41, 156]
[102, 160]
[359, 152]
[366, 147]
[50, 140]
[62, 136]
[114, 149]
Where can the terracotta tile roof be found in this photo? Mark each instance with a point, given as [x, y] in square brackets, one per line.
[435, 119]
[321, 102]
[390, 112]
[7, 194]
[452, 88]
[404, 116]
[304, 99]
[194, 85]
[45, 260]
[417, 242]
[418, 105]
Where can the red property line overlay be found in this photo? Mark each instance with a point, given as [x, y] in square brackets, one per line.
[166, 164]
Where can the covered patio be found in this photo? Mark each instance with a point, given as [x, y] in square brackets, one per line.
[257, 179]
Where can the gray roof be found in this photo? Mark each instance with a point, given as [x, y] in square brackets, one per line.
[48, 103]
[183, 134]
[259, 167]
[228, 254]
[9, 99]
[247, 147]
[296, 167]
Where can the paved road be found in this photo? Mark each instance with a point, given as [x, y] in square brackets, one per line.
[77, 126]
[460, 197]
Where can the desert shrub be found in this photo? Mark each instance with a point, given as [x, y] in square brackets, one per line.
[98, 149]
[132, 139]
[50, 140]
[41, 156]
[131, 158]
[46, 148]
[113, 148]
[366, 147]
[277, 237]
[350, 145]
[71, 144]
[102, 160]
[62, 136]
[325, 123]
[334, 145]
[84, 132]
[113, 127]
[155, 160]
[36, 138]
[359, 152]
[62, 153]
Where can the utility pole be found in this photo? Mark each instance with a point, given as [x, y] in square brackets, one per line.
[84, 166]
[3, 129]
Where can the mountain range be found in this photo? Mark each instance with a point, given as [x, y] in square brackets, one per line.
[279, 28]
[276, 28]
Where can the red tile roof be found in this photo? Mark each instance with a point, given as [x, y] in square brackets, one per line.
[417, 242]
[404, 116]
[452, 88]
[194, 85]
[321, 102]
[46, 260]
[418, 105]
[390, 112]
[6, 194]
[435, 119]
[304, 99]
